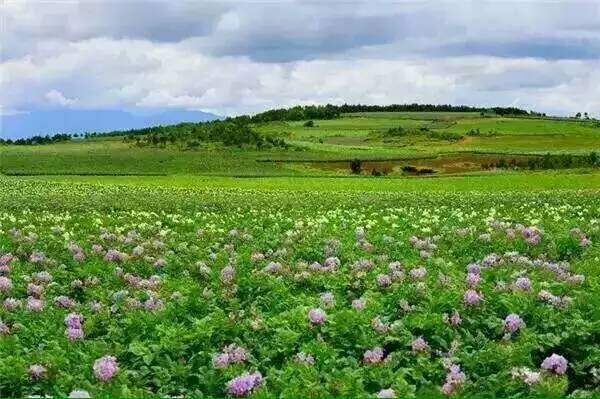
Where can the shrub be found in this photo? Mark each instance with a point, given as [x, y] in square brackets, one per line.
[356, 166]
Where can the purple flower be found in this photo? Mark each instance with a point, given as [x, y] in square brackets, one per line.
[473, 279]
[373, 356]
[513, 323]
[418, 273]
[379, 325]
[523, 283]
[230, 354]
[74, 320]
[4, 328]
[74, 334]
[327, 299]
[383, 281]
[244, 384]
[5, 284]
[227, 274]
[474, 268]
[454, 319]
[106, 368]
[11, 303]
[273, 268]
[153, 303]
[64, 302]
[113, 255]
[359, 304]
[317, 316]
[472, 297]
[555, 363]
[34, 304]
[454, 378]
[419, 344]
[95, 306]
[6, 259]
[34, 290]
[532, 235]
[330, 264]
[37, 257]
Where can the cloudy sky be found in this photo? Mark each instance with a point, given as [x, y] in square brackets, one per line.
[246, 56]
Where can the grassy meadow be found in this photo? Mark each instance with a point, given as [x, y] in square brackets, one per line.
[133, 270]
[362, 136]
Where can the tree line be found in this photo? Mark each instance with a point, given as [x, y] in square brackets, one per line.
[238, 130]
[330, 111]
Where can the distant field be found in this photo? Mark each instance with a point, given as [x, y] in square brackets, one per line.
[363, 136]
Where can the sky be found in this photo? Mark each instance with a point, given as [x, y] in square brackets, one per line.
[241, 57]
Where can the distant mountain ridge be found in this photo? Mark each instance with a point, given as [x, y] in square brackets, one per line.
[51, 122]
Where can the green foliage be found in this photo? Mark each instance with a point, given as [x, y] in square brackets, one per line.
[169, 351]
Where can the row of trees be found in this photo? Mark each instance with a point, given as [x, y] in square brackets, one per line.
[547, 161]
[330, 111]
[38, 140]
[229, 132]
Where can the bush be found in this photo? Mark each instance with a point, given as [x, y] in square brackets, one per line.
[355, 166]
[309, 124]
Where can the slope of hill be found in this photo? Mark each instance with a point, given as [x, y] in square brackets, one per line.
[385, 143]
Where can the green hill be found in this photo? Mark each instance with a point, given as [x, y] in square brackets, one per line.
[392, 143]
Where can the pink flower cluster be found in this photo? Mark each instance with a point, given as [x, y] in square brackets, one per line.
[74, 323]
[5, 284]
[555, 363]
[317, 316]
[231, 354]
[513, 323]
[472, 297]
[244, 384]
[106, 368]
[454, 378]
[373, 356]
[580, 236]
[419, 344]
[532, 235]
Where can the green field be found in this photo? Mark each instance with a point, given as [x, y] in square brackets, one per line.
[328, 287]
[158, 271]
[362, 136]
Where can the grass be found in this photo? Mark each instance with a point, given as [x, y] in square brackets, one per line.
[351, 136]
[490, 182]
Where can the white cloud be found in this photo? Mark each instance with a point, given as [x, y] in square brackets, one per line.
[107, 73]
[56, 97]
[236, 58]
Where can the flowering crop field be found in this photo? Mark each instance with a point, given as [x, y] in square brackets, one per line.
[109, 290]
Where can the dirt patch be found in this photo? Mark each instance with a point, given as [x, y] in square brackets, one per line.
[443, 164]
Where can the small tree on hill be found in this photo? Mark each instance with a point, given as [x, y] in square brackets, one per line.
[355, 166]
